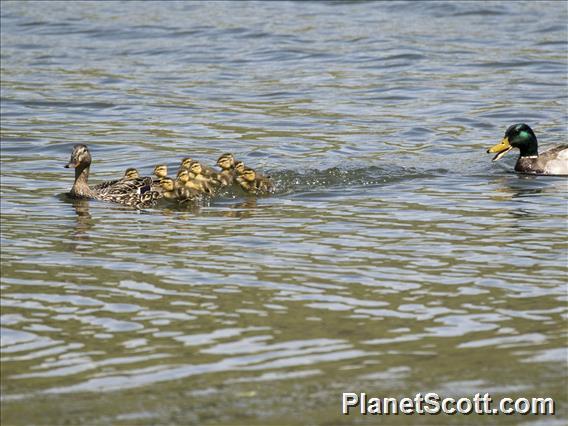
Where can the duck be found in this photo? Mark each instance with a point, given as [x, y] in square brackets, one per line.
[161, 171]
[184, 180]
[227, 164]
[205, 170]
[254, 183]
[130, 174]
[185, 162]
[177, 190]
[135, 192]
[168, 188]
[551, 162]
[206, 184]
[239, 167]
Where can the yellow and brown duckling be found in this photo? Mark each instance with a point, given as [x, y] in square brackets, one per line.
[161, 171]
[184, 179]
[135, 192]
[551, 162]
[185, 163]
[254, 183]
[168, 188]
[205, 170]
[175, 190]
[130, 174]
[206, 184]
[227, 164]
[239, 167]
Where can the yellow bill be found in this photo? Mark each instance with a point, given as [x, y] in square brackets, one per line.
[501, 148]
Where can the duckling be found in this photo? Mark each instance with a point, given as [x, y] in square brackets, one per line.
[161, 171]
[227, 164]
[207, 184]
[136, 192]
[551, 162]
[205, 170]
[184, 179]
[239, 167]
[254, 183]
[185, 162]
[168, 188]
[130, 174]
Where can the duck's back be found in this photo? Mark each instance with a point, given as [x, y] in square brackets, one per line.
[130, 192]
[551, 162]
[555, 160]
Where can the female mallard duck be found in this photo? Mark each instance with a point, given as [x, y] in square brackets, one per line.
[227, 164]
[136, 192]
[130, 174]
[254, 183]
[551, 162]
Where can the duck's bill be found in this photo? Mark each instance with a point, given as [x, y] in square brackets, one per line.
[501, 149]
[71, 165]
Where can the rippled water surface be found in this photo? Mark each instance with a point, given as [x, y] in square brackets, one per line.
[394, 258]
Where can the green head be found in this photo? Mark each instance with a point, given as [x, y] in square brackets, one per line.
[522, 136]
[517, 136]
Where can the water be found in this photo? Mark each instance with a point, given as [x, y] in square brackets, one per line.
[395, 258]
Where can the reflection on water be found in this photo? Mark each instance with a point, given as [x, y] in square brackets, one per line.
[394, 258]
[84, 220]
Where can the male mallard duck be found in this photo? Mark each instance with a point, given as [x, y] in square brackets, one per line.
[551, 162]
[135, 192]
[254, 183]
[130, 174]
[161, 171]
[227, 164]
